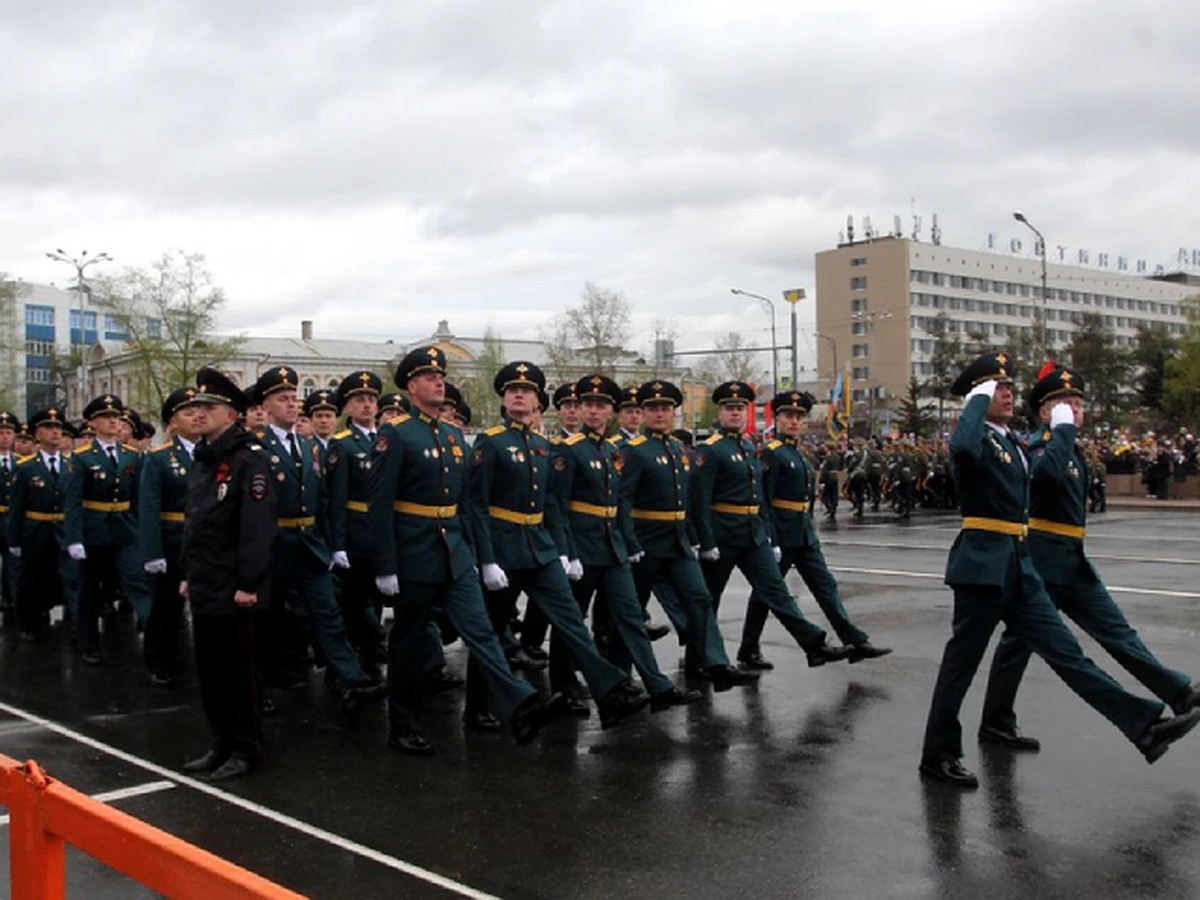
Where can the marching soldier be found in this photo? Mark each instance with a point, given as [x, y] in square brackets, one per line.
[36, 533]
[321, 408]
[655, 499]
[789, 492]
[734, 527]
[994, 579]
[629, 414]
[831, 465]
[301, 556]
[392, 407]
[506, 506]
[100, 502]
[225, 558]
[585, 485]
[9, 426]
[1057, 523]
[421, 554]
[570, 415]
[162, 504]
[856, 468]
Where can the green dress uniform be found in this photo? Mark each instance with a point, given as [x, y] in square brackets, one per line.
[585, 485]
[100, 502]
[1057, 525]
[36, 529]
[162, 505]
[789, 492]
[994, 579]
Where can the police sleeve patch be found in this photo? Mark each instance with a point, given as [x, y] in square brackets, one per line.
[477, 458]
[381, 444]
[258, 486]
[331, 457]
[560, 463]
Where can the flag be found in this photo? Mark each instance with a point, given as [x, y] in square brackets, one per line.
[837, 419]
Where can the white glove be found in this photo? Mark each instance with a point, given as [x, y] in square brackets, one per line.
[777, 553]
[340, 559]
[14, 552]
[494, 578]
[635, 558]
[155, 566]
[987, 389]
[1062, 414]
[710, 555]
[76, 551]
[566, 564]
[389, 585]
[574, 570]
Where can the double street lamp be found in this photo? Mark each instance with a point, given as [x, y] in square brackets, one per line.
[80, 264]
[1043, 347]
[774, 342]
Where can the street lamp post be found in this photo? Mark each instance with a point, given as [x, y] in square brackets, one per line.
[869, 319]
[1043, 345]
[774, 342]
[80, 264]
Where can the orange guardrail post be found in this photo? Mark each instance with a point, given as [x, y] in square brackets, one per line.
[45, 815]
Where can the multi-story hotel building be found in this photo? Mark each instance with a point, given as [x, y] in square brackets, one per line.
[877, 300]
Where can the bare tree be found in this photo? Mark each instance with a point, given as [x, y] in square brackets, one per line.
[599, 326]
[12, 348]
[733, 360]
[560, 355]
[477, 388]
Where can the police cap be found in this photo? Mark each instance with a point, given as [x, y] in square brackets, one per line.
[214, 386]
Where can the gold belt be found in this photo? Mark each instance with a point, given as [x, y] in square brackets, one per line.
[45, 517]
[427, 512]
[356, 506]
[171, 516]
[1071, 531]
[100, 506]
[792, 505]
[591, 509]
[660, 515]
[303, 522]
[731, 509]
[3, 509]
[1001, 526]
[508, 515]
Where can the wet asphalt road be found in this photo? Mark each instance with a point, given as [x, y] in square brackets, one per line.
[803, 787]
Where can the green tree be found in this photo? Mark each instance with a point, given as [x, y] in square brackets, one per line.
[1154, 347]
[946, 362]
[1180, 382]
[1094, 352]
[12, 347]
[477, 388]
[167, 314]
[914, 417]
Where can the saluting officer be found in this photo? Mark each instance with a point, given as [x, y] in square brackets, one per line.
[100, 502]
[9, 426]
[162, 505]
[348, 462]
[586, 486]
[994, 579]
[789, 491]
[655, 495]
[423, 559]
[225, 556]
[36, 528]
[301, 555]
[506, 507]
[1057, 523]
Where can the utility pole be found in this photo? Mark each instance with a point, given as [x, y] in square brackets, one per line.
[80, 264]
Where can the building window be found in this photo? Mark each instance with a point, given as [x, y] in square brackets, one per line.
[860, 373]
[115, 329]
[858, 328]
[858, 261]
[858, 351]
[39, 315]
[858, 305]
[154, 329]
[307, 386]
[858, 283]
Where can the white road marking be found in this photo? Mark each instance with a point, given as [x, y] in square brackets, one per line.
[136, 790]
[266, 812]
[901, 573]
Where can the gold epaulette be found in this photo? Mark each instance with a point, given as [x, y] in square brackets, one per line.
[774, 445]
[574, 439]
[400, 420]
[713, 439]
[495, 430]
[167, 446]
[21, 460]
[637, 441]
[131, 448]
[342, 435]
[615, 439]
[86, 445]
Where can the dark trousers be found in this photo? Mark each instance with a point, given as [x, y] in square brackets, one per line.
[705, 646]
[630, 644]
[357, 599]
[462, 603]
[858, 494]
[161, 639]
[534, 626]
[1025, 607]
[1093, 609]
[229, 685]
[40, 583]
[810, 563]
[766, 585]
[98, 590]
[310, 593]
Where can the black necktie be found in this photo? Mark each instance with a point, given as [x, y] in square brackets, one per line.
[6, 465]
[53, 461]
[112, 455]
[370, 437]
[294, 449]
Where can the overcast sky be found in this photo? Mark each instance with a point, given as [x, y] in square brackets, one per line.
[379, 166]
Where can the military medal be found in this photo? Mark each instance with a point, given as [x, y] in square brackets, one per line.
[222, 490]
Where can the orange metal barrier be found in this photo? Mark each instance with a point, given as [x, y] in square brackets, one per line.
[45, 816]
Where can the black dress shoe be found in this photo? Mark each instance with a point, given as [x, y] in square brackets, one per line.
[209, 762]
[91, 657]
[234, 767]
[657, 632]
[1008, 737]
[822, 653]
[537, 654]
[618, 705]
[268, 707]
[1163, 733]
[158, 680]
[535, 714]
[441, 680]
[522, 661]
[726, 677]
[412, 744]
[1188, 698]
[361, 694]
[576, 706]
[866, 650]
[481, 721]
[672, 697]
[949, 771]
[754, 662]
